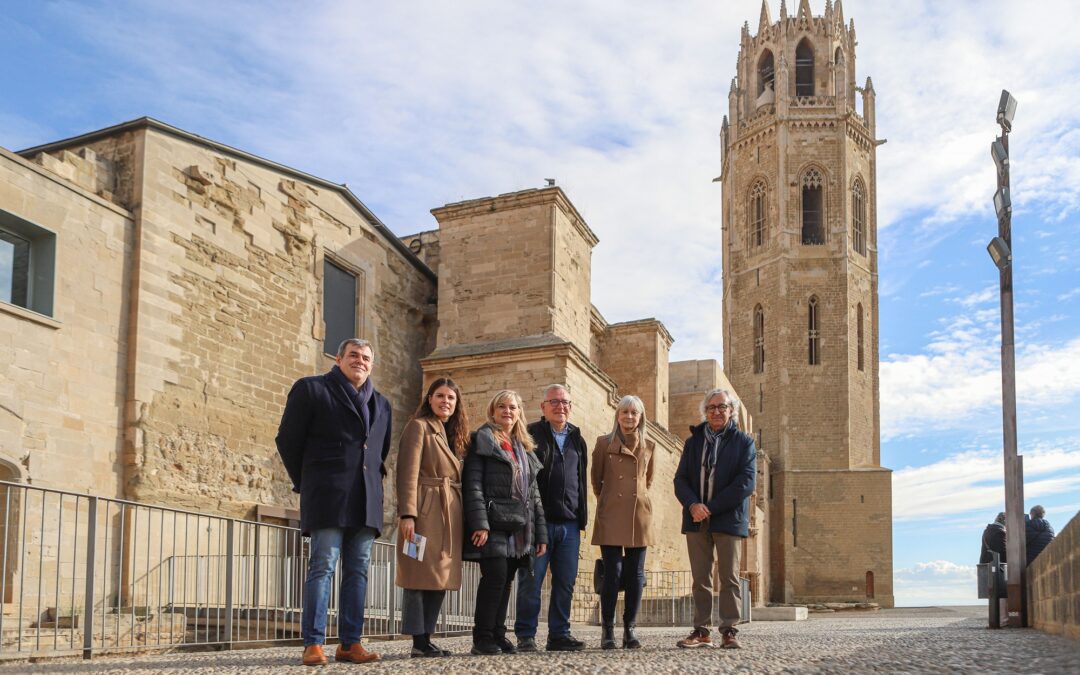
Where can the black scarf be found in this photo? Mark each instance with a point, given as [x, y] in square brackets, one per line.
[360, 398]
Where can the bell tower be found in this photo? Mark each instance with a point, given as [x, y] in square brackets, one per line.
[801, 301]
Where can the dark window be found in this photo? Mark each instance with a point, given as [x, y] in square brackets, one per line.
[813, 226]
[794, 524]
[858, 217]
[339, 305]
[859, 333]
[804, 69]
[765, 72]
[757, 213]
[27, 264]
[813, 338]
[759, 340]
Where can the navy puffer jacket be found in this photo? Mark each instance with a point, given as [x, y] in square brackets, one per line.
[1039, 535]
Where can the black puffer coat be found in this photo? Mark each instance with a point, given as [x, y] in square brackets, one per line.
[1039, 535]
[993, 539]
[487, 474]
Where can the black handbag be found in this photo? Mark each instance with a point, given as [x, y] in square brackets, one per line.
[505, 515]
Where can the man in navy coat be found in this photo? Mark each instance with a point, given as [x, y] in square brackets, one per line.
[714, 481]
[334, 438]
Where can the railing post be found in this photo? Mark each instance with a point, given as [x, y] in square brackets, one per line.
[392, 624]
[88, 597]
[229, 527]
[995, 591]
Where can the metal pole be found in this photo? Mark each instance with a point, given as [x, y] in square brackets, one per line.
[1015, 545]
[230, 524]
[88, 597]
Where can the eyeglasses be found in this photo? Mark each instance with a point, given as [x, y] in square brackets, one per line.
[558, 402]
[721, 407]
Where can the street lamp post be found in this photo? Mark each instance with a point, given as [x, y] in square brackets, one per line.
[1000, 249]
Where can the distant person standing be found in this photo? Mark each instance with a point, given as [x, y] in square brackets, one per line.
[993, 539]
[1038, 531]
[333, 439]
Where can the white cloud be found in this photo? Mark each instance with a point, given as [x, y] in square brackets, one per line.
[937, 582]
[971, 481]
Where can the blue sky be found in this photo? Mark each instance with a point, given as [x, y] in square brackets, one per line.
[422, 103]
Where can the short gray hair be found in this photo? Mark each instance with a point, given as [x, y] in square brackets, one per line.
[556, 385]
[1038, 511]
[716, 392]
[1000, 518]
[355, 342]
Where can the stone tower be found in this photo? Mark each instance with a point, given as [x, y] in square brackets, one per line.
[801, 301]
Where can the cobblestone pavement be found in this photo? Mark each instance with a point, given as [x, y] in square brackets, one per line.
[925, 640]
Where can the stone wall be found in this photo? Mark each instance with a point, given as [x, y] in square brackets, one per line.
[635, 355]
[1053, 584]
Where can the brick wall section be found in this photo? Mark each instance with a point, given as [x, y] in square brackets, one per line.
[1053, 584]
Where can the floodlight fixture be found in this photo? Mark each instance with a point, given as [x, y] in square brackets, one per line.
[1002, 203]
[1006, 110]
[1000, 155]
[999, 252]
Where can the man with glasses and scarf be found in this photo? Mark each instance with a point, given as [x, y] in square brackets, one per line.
[714, 481]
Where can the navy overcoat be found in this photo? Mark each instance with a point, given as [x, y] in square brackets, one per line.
[736, 475]
[335, 463]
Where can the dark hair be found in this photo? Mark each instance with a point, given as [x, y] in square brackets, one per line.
[457, 427]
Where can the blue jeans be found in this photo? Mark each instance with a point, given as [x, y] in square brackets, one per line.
[564, 542]
[353, 546]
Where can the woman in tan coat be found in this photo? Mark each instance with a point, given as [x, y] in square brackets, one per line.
[622, 472]
[429, 504]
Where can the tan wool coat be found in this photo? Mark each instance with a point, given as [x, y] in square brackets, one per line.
[621, 479]
[429, 490]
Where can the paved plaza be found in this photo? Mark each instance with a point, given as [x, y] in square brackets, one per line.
[925, 640]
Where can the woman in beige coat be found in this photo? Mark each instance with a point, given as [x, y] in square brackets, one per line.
[622, 472]
[429, 504]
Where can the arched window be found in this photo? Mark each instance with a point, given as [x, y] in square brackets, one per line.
[813, 217]
[838, 56]
[859, 333]
[813, 339]
[858, 217]
[759, 340]
[765, 72]
[756, 210]
[804, 69]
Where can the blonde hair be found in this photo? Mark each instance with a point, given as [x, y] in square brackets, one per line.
[518, 432]
[634, 402]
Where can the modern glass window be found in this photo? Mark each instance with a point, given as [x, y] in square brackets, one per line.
[759, 340]
[858, 217]
[27, 264]
[804, 69]
[812, 334]
[813, 208]
[339, 305]
[757, 212]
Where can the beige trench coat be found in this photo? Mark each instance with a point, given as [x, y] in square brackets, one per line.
[429, 489]
[621, 480]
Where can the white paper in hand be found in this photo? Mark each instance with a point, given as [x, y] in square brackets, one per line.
[414, 547]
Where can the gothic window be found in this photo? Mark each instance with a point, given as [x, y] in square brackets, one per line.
[804, 69]
[838, 58]
[756, 210]
[813, 226]
[859, 334]
[765, 72]
[813, 337]
[759, 340]
[858, 217]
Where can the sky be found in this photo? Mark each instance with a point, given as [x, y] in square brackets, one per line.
[418, 104]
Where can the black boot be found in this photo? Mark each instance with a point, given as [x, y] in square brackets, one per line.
[629, 640]
[607, 636]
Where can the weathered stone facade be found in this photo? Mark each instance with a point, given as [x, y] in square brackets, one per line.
[800, 301]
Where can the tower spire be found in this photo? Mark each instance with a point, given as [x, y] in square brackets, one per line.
[804, 11]
[783, 10]
[765, 21]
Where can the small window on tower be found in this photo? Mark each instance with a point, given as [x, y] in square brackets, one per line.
[765, 73]
[757, 210]
[812, 335]
[859, 333]
[759, 340]
[858, 217]
[804, 69]
[813, 226]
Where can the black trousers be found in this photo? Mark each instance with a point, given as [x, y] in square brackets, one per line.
[623, 567]
[420, 611]
[493, 595]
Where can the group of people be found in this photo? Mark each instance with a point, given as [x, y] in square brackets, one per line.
[1038, 533]
[509, 495]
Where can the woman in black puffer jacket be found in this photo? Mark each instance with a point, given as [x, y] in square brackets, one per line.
[504, 517]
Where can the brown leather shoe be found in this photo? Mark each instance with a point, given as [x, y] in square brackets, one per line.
[355, 654]
[728, 640]
[313, 656]
[699, 637]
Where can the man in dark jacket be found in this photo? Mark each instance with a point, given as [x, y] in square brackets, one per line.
[993, 539]
[714, 481]
[333, 439]
[1038, 532]
[562, 481]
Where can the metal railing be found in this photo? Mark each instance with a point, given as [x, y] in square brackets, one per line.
[80, 573]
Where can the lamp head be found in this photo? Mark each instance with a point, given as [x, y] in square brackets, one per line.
[1006, 110]
[999, 252]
